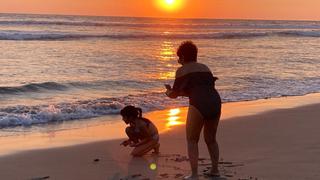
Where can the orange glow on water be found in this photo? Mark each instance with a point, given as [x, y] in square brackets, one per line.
[167, 50]
[167, 53]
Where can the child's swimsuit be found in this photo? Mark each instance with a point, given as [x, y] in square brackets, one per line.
[152, 130]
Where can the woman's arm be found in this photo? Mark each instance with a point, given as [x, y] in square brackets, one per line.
[171, 93]
[179, 86]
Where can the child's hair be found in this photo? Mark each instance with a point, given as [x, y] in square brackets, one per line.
[133, 112]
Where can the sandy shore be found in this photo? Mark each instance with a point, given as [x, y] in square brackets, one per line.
[264, 139]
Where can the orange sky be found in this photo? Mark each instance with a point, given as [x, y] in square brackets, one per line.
[236, 9]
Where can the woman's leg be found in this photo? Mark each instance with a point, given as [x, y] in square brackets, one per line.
[193, 128]
[210, 131]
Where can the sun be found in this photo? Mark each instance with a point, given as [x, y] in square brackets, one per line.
[169, 5]
[169, 2]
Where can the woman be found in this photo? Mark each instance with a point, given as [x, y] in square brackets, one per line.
[196, 81]
[142, 133]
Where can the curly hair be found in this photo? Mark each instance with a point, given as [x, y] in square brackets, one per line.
[188, 50]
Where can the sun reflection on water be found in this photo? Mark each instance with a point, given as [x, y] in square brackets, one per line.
[167, 75]
[166, 56]
[167, 51]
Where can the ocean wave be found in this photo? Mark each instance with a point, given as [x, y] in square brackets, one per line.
[62, 23]
[43, 114]
[300, 33]
[22, 115]
[35, 35]
[32, 87]
[165, 23]
[26, 116]
[55, 86]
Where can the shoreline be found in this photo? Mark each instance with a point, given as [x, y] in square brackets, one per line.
[94, 130]
[265, 139]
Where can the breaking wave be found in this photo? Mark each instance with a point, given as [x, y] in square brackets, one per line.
[43, 35]
[43, 114]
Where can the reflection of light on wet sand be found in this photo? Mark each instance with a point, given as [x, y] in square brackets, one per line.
[173, 112]
[173, 118]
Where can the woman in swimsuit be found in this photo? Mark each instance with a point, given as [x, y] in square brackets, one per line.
[196, 81]
[143, 134]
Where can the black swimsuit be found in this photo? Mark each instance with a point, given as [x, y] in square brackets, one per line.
[196, 81]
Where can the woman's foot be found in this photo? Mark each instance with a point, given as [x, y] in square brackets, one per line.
[191, 177]
[212, 173]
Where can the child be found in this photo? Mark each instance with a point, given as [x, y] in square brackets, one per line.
[142, 133]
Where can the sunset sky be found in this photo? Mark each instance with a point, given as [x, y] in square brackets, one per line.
[235, 9]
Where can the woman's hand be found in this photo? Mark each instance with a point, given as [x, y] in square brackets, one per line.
[169, 92]
[168, 87]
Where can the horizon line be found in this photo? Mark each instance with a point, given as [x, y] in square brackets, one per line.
[156, 17]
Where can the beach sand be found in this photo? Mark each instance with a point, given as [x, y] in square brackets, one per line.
[265, 139]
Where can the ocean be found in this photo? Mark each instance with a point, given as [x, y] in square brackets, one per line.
[57, 69]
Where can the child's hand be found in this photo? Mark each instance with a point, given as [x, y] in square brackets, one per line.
[125, 143]
[132, 144]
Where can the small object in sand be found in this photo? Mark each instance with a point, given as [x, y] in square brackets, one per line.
[96, 160]
[201, 159]
[229, 175]
[41, 178]
[136, 175]
[205, 164]
[224, 162]
[181, 159]
[233, 165]
[178, 176]
[164, 175]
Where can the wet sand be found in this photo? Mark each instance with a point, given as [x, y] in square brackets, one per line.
[264, 139]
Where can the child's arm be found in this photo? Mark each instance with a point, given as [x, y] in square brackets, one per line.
[126, 142]
[144, 141]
